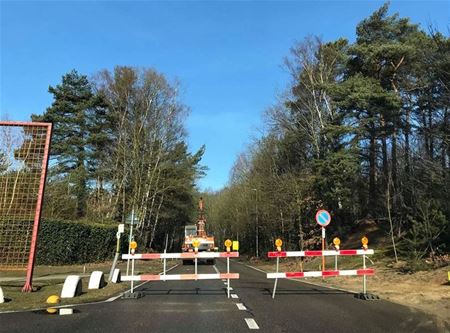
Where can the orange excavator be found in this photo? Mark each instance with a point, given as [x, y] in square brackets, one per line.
[197, 231]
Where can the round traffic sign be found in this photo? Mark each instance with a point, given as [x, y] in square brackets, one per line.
[323, 218]
[228, 243]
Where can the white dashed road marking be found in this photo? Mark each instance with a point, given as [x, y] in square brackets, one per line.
[241, 306]
[251, 323]
[234, 296]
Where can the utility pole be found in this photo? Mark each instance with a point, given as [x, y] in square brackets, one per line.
[256, 223]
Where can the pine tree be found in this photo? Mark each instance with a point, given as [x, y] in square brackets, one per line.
[75, 113]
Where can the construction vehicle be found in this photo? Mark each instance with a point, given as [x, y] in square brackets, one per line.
[197, 231]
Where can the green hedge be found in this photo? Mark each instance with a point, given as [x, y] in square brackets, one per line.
[63, 242]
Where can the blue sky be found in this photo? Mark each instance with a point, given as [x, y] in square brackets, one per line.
[227, 55]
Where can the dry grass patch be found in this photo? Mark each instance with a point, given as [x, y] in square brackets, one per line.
[427, 290]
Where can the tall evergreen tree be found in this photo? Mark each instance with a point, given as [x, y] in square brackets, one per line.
[364, 131]
[75, 113]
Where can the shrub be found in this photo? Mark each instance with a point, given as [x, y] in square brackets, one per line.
[66, 242]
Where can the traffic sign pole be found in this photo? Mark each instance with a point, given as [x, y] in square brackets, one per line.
[130, 238]
[323, 218]
[323, 248]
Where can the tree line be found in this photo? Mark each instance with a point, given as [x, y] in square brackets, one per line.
[363, 131]
[118, 145]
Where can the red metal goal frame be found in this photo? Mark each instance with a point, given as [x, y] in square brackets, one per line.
[38, 210]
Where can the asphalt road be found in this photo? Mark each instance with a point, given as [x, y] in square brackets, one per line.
[202, 306]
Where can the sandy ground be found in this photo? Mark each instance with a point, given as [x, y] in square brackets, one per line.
[427, 291]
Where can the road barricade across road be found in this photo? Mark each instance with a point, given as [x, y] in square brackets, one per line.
[364, 271]
[185, 255]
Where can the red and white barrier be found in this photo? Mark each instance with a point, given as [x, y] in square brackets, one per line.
[174, 277]
[183, 255]
[292, 275]
[283, 254]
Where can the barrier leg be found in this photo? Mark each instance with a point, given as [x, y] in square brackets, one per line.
[276, 280]
[195, 262]
[228, 272]
[164, 266]
[364, 276]
[335, 263]
[132, 273]
[128, 263]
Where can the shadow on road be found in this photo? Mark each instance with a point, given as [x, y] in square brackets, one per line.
[177, 292]
[280, 292]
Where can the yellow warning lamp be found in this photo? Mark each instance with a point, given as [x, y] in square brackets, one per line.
[196, 244]
[278, 243]
[336, 242]
[133, 246]
[53, 299]
[228, 244]
[365, 242]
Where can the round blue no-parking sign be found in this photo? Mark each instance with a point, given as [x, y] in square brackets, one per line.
[323, 218]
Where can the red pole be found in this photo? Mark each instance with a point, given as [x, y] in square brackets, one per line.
[37, 214]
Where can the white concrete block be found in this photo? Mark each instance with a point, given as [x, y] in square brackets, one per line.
[2, 297]
[116, 276]
[72, 287]
[97, 280]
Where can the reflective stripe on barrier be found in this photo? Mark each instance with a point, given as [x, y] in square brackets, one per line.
[293, 275]
[183, 255]
[283, 254]
[148, 277]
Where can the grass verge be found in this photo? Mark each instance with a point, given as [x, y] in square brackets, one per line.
[48, 280]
